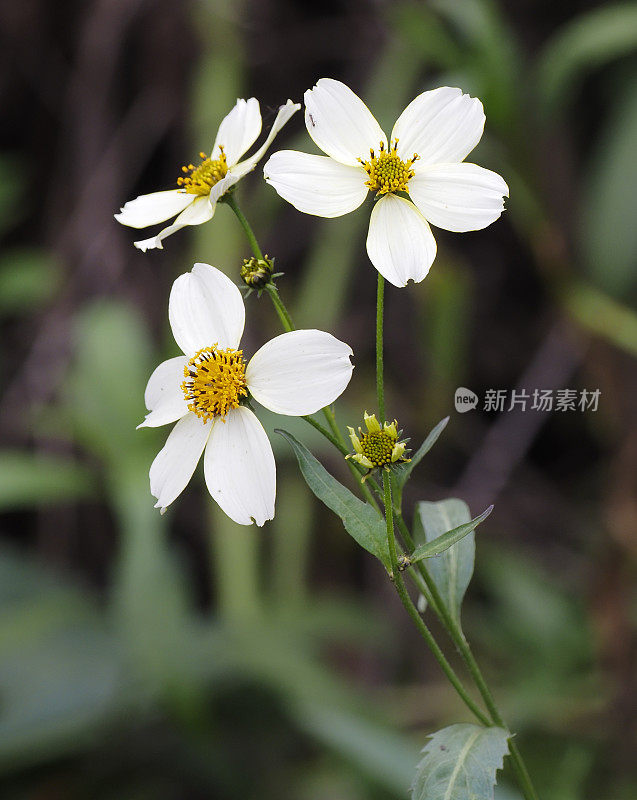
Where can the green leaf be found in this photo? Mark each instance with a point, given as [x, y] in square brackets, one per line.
[33, 480]
[591, 40]
[359, 518]
[403, 473]
[460, 763]
[451, 570]
[446, 540]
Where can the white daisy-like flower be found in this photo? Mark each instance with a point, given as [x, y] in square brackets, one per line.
[201, 187]
[424, 159]
[205, 389]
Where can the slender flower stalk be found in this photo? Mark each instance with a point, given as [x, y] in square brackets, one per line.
[229, 200]
[281, 310]
[380, 377]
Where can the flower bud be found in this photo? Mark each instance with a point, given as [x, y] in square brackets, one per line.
[257, 272]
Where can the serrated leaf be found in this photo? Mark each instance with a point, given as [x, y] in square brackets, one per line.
[402, 473]
[451, 571]
[444, 542]
[460, 763]
[359, 519]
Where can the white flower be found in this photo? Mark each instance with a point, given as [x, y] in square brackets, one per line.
[196, 200]
[296, 373]
[424, 158]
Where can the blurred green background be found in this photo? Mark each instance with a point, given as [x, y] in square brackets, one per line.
[184, 657]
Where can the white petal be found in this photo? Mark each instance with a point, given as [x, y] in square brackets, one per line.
[222, 186]
[151, 209]
[459, 197]
[300, 372]
[284, 114]
[163, 397]
[442, 125]
[176, 461]
[238, 130]
[400, 243]
[239, 468]
[316, 184]
[205, 308]
[199, 211]
[340, 123]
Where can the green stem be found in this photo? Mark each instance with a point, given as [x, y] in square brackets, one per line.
[281, 310]
[524, 779]
[413, 611]
[329, 436]
[455, 632]
[229, 200]
[389, 519]
[339, 445]
[380, 385]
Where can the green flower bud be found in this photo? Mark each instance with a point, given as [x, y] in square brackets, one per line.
[257, 272]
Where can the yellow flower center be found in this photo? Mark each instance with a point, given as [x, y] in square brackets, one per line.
[387, 172]
[203, 178]
[378, 447]
[215, 382]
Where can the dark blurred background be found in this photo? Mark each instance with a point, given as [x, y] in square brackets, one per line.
[184, 657]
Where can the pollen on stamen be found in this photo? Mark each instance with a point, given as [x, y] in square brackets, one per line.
[203, 177]
[387, 172]
[214, 382]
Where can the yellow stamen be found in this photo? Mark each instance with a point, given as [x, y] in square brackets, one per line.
[378, 447]
[215, 382]
[203, 178]
[387, 172]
